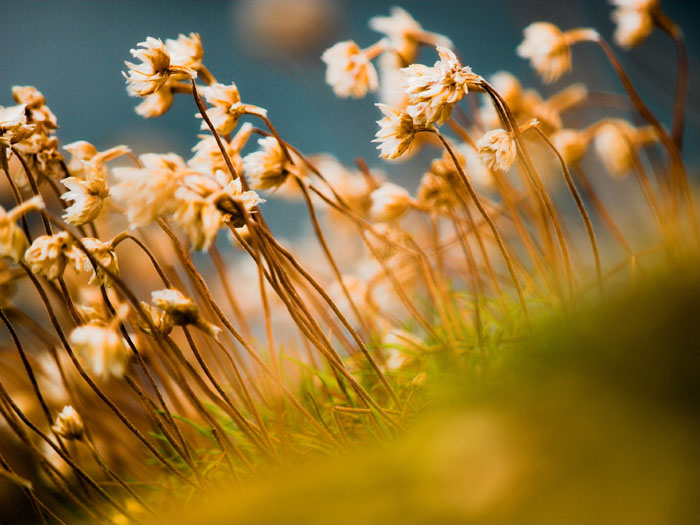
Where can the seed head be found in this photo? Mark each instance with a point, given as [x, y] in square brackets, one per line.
[69, 424]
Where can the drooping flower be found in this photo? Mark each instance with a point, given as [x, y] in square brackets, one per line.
[101, 349]
[268, 168]
[389, 202]
[88, 195]
[396, 132]
[227, 107]
[634, 21]
[406, 34]
[208, 157]
[104, 253]
[13, 125]
[497, 150]
[549, 49]
[571, 144]
[148, 192]
[157, 103]
[616, 142]
[48, 255]
[349, 70]
[155, 68]
[433, 91]
[13, 242]
[82, 151]
[186, 51]
[37, 110]
[69, 424]
[181, 310]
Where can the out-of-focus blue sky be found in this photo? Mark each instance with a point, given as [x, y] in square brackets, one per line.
[73, 51]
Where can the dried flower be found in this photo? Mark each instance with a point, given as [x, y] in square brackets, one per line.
[181, 310]
[549, 49]
[186, 51]
[434, 90]
[157, 103]
[269, 167]
[154, 70]
[634, 20]
[49, 254]
[100, 348]
[208, 157]
[82, 151]
[148, 192]
[13, 242]
[497, 150]
[226, 108]
[396, 132]
[616, 143]
[69, 424]
[13, 125]
[389, 202]
[159, 319]
[406, 34]
[350, 72]
[37, 111]
[104, 253]
[571, 144]
[88, 195]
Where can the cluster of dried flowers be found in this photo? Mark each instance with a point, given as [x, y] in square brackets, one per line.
[472, 224]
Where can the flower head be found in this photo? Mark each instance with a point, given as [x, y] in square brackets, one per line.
[157, 103]
[396, 132]
[37, 110]
[49, 254]
[69, 424]
[616, 142]
[181, 310]
[13, 125]
[389, 202]
[155, 68]
[547, 48]
[104, 253]
[100, 348]
[405, 33]
[350, 72]
[269, 167]
[208, 157]
[13, 242]
[88, 195]
[497, 150]
[226, 108]
[433, 91]
[571, 144]
[634, 20]
[186, 51]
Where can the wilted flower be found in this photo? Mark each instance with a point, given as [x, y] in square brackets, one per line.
[159, 319]
[69, 424]
[181, 310]
[616, 143]
[13, 125]
[497, 150]
[100, 348]
[49, 254]
[154, 70]
[207, 154]
[104, 253]
[149, 191]
[82, 151]
[38, 112]
[433, 91]
[88, 195]
[269, 167]
[571, 144]
[634, 20]
[549, 49]
[13, 242]
[396, 132]
[226, 108]
[186, 51]
[350, 72]
[405, 33]
[157, 103]
[389, 202]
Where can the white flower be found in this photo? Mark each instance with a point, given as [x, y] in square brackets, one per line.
[226, 108]
[634, 20]
[186, 51]
[389, 202]
[405, 33]
[49, 254]
[571, 144]
[104, 253]
[154, 70]
[497, 150]
[616, 143]
[268, 168]
[13, 242]
[13, 125]
[37, 111]
[148, 192]
[396, 132]
[101, 349]
[157, 103]
[88, 195]
[433, 91]
[69, 424]
[207, 154]
[350, 72]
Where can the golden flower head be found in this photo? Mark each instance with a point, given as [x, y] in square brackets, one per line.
[49, 254]
[154, 70]
[571, 144]
[616, 142]
[157, 103]
[37, 110]
[13, 242]
[634, 21]
[226, 108]
[101, 349]
[181, 310]
[104, 253]
[268, 168]
[349, 70]
[433, 91]
[396, 132]
[148, 192]
[389, 202]
[497, 150]
[405, 33]
[13, 125]
[207, 154]
[69, 424]
[82, 151]
[435, 193]
[186, 51]
[88, 195]
[159, 319]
